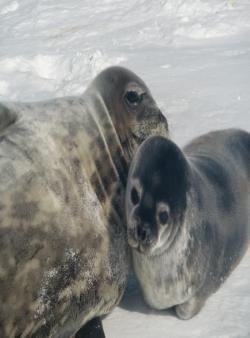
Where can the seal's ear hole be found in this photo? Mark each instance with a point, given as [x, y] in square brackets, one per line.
[135, 198]
[133, 98]
[163, 217]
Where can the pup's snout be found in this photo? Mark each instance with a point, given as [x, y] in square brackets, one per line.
[140, 235]
[138, 232]
[143, 233]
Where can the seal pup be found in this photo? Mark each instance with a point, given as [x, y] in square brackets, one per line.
[188, 215]
[63, 169]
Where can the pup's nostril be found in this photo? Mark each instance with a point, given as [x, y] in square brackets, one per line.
[141, 233]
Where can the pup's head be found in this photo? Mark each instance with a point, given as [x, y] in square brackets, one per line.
[156, 195]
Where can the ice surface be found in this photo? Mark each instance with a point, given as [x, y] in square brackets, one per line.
[195, 57]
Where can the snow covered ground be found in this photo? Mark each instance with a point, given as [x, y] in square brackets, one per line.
[195, 57]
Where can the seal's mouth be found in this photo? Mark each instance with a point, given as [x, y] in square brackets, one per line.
[153, 246]
[154, 126]
[143, 247]
[146, 250]
[138, 139]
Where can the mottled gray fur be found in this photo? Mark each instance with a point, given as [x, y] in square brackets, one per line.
[188, 216]
[63, 169]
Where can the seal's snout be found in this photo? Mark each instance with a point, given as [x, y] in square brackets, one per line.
[143, 233]
[139, 234]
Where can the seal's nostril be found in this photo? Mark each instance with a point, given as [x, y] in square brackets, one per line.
[141, 233]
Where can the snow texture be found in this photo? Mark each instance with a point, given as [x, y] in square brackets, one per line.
[195, 57]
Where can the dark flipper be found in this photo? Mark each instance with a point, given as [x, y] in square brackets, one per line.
[92, 329]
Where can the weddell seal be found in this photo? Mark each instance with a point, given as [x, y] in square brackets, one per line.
[188, 216]
[63, 170]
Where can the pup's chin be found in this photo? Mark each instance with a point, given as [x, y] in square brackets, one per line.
[145, 249]
[155, 247]
[133, 243]
[142, 248]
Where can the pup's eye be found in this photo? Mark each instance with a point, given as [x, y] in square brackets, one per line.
[135, 198]
[163, 217]
[133, 98]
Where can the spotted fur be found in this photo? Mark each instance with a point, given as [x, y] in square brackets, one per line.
[63, 169]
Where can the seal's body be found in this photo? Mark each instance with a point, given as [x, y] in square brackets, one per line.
[63, 169]
[188, 216]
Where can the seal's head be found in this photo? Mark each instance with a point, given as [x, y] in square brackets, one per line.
[156, 195]
[131, 107]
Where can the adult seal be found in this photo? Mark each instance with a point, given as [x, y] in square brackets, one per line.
[63, 170]
[188, 216]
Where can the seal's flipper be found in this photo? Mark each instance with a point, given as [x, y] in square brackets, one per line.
[190, 308]
[7, 117]
[93, 329]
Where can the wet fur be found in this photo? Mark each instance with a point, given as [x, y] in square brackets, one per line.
[208, 189]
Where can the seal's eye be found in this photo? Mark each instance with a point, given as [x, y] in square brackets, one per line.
[135, 198]
[163, 217]
[133, 98]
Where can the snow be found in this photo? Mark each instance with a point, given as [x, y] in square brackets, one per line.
[195, 57]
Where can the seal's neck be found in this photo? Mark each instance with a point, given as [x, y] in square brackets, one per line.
[110, 156]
